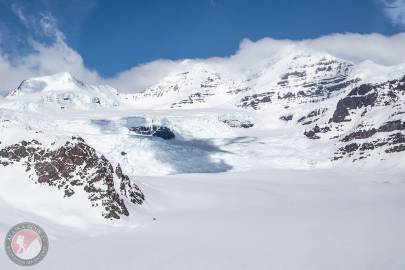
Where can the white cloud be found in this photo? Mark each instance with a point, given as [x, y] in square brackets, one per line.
[384, 50]
[395, 11]
[138, 78]
[19, 13]
[49, 27]
[44, 59]
[56, 57]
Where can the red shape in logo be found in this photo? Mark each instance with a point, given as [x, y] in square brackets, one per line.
[22, 240]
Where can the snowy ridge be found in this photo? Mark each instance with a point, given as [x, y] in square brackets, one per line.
[61, 91]
[298, 74]
[199, 86]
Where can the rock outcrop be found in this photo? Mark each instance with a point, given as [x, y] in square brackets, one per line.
[75, 167]
[153, 130]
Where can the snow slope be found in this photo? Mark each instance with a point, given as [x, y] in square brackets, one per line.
[324, 219]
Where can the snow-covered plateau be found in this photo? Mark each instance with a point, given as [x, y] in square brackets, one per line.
[295, 162]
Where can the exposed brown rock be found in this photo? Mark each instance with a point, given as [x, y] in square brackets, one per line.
[76, 164]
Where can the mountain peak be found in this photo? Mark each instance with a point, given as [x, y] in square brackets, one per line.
[61, 76]
[63, 81]
[61, 91]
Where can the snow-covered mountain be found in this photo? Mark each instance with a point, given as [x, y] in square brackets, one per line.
[62, 91]
[324, 97]
[298, 110]
[302, 147]
[281, 79]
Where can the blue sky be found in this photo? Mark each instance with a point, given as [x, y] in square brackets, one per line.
[113, 36]
[133, 44]
[141, 31]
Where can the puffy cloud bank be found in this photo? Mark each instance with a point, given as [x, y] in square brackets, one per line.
[57, 57]
[384, 50]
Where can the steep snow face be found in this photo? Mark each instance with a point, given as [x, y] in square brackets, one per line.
[61, 92]
[200, 85]
[369, 121]
[298, 78]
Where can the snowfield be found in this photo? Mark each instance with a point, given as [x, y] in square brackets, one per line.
[277, 219]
